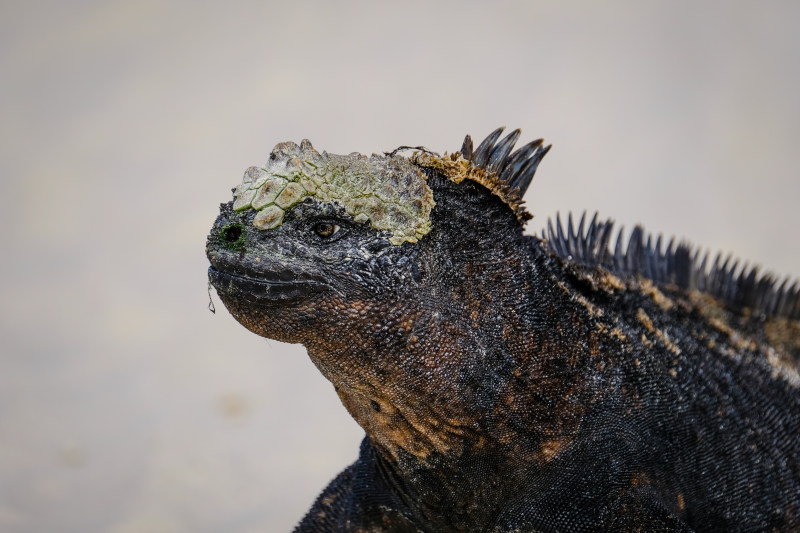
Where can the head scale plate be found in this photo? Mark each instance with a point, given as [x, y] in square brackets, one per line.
[389, 192]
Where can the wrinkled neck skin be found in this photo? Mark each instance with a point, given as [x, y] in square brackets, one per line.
[459, 393]
[429, 376]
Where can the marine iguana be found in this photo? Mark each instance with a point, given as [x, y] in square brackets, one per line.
[509, 382]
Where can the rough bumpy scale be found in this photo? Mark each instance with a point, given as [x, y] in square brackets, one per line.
[508, 382]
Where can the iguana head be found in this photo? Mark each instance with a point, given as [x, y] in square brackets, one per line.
[376, 264]
[308, 226]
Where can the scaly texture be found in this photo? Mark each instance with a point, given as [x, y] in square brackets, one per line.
[515, 383]
[389, 193]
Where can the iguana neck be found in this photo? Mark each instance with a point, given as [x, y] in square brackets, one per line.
[474, 358]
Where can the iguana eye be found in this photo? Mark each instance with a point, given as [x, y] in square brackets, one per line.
[325, 229]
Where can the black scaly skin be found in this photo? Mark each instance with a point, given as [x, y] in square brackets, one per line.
[511, 383]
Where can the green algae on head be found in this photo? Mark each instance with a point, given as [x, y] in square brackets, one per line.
[389, 192]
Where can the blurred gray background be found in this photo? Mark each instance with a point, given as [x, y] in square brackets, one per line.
[125, 405]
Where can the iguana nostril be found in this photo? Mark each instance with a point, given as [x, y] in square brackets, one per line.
[232, 233]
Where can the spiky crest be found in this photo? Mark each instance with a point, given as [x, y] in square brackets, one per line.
[679, 264]
[493, 165]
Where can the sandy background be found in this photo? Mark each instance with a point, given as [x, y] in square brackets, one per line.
[125, 405]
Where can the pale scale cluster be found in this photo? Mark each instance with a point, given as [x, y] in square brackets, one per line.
[387, 191]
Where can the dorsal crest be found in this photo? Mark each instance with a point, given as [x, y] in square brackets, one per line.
[505, 173]
[679, 264]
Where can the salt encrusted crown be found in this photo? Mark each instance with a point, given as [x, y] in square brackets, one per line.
[387, 191]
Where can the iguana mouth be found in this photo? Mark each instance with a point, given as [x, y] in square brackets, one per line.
[271, 286]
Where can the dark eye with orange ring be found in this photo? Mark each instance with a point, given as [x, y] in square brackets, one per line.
[325, 229]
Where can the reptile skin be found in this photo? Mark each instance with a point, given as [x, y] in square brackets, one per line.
[508, 382]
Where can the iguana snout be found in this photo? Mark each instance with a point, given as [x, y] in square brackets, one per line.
[255, 266]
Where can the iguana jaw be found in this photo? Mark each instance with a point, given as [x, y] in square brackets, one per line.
[272, 287]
